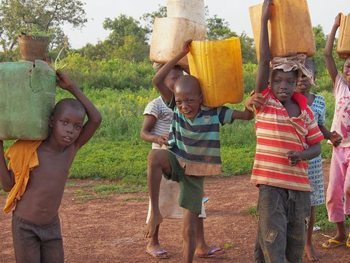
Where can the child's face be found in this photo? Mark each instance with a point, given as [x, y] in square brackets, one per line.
[283, 84]
[67, 125]
[188, 100]
[304, 84]
[171, 78]
[346, 70]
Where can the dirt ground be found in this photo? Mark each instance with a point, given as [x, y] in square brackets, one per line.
[110, 228]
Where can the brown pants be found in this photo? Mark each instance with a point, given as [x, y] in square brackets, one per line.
[37, 243]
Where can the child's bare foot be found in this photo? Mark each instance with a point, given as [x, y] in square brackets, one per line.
[311, 253]
[154, 221]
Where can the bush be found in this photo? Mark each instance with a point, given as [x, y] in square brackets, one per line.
[116, 73]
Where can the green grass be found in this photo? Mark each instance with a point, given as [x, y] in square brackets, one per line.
[107, 189]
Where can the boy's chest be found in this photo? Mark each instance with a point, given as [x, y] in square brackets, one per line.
[53, 164]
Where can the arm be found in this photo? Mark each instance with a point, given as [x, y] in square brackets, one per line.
[148, 123]
[159, 79]
[94, 117]
[333, 136]
[6, 177]
[311, 152]
[262, 79]
[330, 63]
[247, 114]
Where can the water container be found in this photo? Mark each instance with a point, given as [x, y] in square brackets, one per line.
[27, 99]
[290, 29]
[193, 10]
[343, 47]
[170, 34]
[218, 66]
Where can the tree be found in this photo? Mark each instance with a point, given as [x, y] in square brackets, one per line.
[46, 16]
[127, 40]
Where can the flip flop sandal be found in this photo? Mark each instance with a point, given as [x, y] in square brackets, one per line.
[332, 243]
[159, 253]
[348, 242]
[212, 252]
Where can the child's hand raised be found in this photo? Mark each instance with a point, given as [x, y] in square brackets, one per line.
[186, 46]
[266, 10]
[335, 138]
[64, 81]
[337, 20]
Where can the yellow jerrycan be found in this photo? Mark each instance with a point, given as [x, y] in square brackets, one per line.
[290, 30]
[218, 66]
[343, 46]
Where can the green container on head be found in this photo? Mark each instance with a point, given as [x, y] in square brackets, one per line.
[27, 97]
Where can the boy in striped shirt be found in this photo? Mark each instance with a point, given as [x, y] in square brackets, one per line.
[287, 135]
[194, 149]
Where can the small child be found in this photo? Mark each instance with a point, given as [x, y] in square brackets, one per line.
[194, 150]
[315, 170]
[156, 125]
[37, 175]
[287, 136]
[338, 191]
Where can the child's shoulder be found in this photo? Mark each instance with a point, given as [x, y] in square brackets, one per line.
[25, 143]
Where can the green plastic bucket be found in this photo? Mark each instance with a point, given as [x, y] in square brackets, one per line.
[27, 97]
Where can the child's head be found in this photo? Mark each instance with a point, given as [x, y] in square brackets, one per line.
[67, 121]
[346, 70]
[173, 75]
[188, 95]
[283, 84]
[304, 83]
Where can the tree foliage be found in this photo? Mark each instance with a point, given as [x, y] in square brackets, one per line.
[46, 16]
[127, 40]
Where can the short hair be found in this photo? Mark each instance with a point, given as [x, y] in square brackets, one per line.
[186, 81]
[68, 102]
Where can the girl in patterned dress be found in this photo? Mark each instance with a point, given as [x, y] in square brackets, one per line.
[315, 171]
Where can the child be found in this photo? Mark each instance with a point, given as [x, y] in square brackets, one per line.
[194, 150]
[157, 120]
[37, 175]
[287, 135]
[315, 170]
[338, 191]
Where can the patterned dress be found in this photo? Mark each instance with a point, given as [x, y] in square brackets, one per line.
[315, 170]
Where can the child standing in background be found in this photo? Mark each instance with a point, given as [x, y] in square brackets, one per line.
[338, 191]
[287, 136]
[315, 169]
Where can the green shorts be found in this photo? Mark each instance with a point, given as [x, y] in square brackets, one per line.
[191, 187]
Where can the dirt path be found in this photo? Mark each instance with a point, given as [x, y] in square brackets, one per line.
[110, 229]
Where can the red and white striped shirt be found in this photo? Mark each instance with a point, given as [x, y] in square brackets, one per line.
[277, 134]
